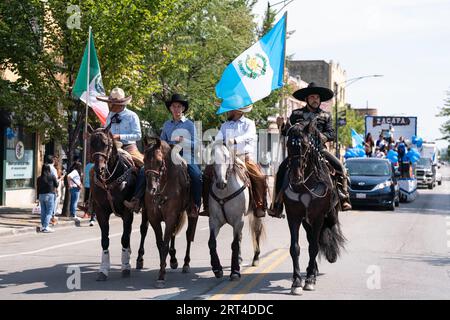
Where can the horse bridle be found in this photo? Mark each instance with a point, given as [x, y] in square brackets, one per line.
[106, 156]
[159, 173]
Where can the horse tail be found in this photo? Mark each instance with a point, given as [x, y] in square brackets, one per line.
[331, 239]
[257, 228]
[180, 223]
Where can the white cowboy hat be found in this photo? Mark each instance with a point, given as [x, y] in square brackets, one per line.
[246, 109]
[116, 96]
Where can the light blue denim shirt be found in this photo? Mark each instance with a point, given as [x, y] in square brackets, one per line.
[129, 127]
[185, 128]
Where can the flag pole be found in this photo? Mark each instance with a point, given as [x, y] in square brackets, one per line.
[281, 138]
[87, 101]
[283, 112]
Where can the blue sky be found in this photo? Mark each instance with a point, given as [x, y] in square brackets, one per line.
[407, 41]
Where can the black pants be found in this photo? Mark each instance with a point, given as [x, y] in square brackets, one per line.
[336, 164]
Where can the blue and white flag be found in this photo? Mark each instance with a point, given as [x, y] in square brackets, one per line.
[357, 140]
[256, 72]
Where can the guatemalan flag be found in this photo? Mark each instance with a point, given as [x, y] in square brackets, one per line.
[357, 140]
[256, 72]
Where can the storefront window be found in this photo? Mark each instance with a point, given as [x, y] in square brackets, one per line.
[19, 171]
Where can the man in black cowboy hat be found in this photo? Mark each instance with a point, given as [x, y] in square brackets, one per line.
[313, 96]
[179, 130]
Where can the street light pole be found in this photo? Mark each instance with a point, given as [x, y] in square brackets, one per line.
[336, 87]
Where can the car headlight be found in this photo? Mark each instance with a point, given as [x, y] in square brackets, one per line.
[383, 185]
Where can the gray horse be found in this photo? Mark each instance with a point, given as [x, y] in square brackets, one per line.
[229, 202]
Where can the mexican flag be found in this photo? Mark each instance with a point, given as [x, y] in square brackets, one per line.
[90, 68]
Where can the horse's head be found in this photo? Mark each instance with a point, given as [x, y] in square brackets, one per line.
[223, 164]
[298, 146]
[155, 163]
[102, 148]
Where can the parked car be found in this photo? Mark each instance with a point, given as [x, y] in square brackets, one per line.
[372, 183]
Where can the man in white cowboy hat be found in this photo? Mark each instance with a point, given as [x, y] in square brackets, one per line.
[240, 131]
[313, 96]
[125, 125]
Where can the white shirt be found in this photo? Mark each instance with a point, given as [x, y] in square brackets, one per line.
[243, 131]
[75, 179]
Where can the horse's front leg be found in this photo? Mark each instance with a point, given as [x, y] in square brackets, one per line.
[143, 229]
[236, 250]
[105, 266]
[126, 250]
[173, 254]
[190, 233]
[212, 244]
[312, 234]
[294, 226]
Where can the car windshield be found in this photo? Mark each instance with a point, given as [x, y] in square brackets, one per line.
[368, 168]
[424, 162]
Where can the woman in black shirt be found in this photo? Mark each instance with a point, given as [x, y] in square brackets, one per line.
[46, 190]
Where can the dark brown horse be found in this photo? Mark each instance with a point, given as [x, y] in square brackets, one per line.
[112, 182]
[166, 200]
[310, 199]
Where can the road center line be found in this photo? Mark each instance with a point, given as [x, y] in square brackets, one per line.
[248, 270]
[258, 278]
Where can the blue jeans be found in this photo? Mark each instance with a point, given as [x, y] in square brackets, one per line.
[74, 196]
[196, 183]
[47, 201]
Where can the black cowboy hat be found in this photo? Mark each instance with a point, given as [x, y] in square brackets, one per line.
[178, 98]
[324, 93]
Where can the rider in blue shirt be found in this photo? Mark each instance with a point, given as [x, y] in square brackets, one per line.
[179, 130]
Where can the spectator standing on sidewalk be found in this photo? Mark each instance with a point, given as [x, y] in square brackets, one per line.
[46, 188]
[74, 179]
[87, 194]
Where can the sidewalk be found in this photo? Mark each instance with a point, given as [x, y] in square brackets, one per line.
[22, 220]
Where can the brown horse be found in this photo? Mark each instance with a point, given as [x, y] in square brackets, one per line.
[310, 199]
[112, 182]
[167, 197]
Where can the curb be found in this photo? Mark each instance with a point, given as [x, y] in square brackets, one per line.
[26, 230]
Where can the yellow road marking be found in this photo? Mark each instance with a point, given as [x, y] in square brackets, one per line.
[248, 270]
[258, 278]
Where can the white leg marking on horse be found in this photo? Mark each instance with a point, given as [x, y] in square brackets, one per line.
[106, 263]
[126, 253]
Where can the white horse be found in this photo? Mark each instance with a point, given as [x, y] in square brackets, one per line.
[229, 202]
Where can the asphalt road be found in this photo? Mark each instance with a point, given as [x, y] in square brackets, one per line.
[403, 254]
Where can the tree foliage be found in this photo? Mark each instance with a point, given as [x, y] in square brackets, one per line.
[445, 112]
[354, 121]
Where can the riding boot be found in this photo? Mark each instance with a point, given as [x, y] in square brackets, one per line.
[343, 193]
[276, 210]
[205, 194]
[136, 202]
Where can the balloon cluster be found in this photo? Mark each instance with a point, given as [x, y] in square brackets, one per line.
[417, 141]
[392, 156]
[355, 153]
[412, 156]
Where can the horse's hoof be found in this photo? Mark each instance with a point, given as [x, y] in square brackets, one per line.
[218, 274]
[186, 268]
[160, 284]
[139, 264]
[235, 276]
[296, 291]
[174, 265]
[255, 263]
[309, 287]
[102, 277]
[126, 273]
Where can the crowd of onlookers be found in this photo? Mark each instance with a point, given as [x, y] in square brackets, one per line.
[382, 146]
[51, 191]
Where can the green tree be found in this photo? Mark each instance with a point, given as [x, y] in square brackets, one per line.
[354, 121]
[445, 112]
